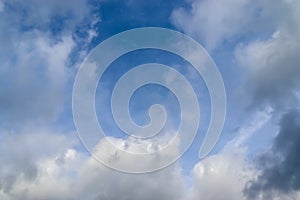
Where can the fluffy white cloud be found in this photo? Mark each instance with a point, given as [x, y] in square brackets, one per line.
[98, 182]
[73, 175]
[214, 21]
[20, 154]
[221, 176]
[37, 55]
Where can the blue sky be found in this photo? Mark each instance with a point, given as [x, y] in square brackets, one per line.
[254, 44]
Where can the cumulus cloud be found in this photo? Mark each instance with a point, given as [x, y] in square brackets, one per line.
[40, 45]
[74, 175]
[221, 176]
[43, 164]
[34, 71]
[274, 71]
[104, 183]
[272, 63]
[226, 174]
[216, 21]
[36, 91]
[37, 55]
[269, 49]
[20, 153]
[269, 56]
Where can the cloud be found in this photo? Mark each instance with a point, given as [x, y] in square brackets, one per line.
[213, 22]
[221, 176]
[272, 63]
[65, 173]
[274, 71]
[280, 166]
[36, 91]
[20, 153]
[36, 65]
[40, 46]
[226, 174]
[265, 36]
[272, 66]
[104, 183]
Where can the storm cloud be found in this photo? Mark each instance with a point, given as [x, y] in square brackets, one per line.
[279, 167]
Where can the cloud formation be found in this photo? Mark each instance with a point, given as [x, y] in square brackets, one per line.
[268, 55]
[213, 22]
[73, 175]
[39, 44]
[279, 167]
[42, 45]
[273, 62]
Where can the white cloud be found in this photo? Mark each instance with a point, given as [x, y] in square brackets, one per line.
[226, 174]
[35, 61]
[97, 182]
[73, 175]
[21, 152]
[221, 176]
[36, 76]
[41, 164]
[214, 21]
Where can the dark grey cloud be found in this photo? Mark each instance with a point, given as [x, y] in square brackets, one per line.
[280, 167]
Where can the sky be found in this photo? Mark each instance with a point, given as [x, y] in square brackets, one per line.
[44, 45]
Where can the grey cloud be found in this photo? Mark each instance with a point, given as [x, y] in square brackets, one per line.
[280, 167]
[273, 63]
[274, 71]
